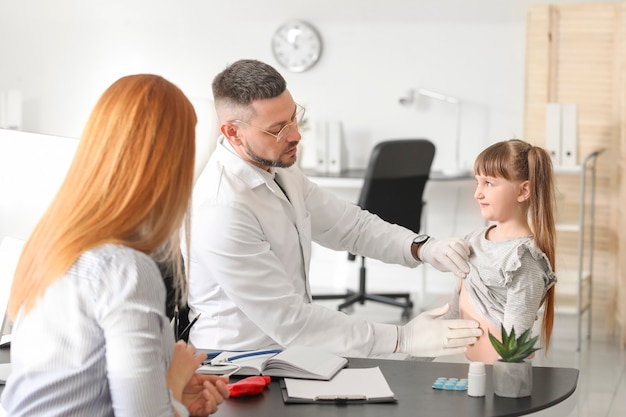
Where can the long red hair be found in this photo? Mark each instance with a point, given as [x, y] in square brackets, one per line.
[129, 183]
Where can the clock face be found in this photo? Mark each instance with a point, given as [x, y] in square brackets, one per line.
[296, 46]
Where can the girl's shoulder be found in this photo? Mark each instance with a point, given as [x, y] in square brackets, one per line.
[528, 256]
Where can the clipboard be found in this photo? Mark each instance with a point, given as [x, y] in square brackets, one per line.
[349, 386]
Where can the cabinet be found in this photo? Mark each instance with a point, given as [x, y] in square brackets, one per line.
[574, 286]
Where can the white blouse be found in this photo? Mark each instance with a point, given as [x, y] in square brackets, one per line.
[96, 344]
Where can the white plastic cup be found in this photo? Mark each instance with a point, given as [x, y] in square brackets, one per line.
[476, 379]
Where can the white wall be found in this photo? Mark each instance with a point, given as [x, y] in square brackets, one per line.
[32, 168]
[450, 211]
[62, 54]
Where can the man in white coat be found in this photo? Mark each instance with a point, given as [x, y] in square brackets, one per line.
[254, 219]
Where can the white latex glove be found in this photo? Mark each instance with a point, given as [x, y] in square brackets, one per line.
[448, 255]
[428, 335]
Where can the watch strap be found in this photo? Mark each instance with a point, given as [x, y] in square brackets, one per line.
[420, 240]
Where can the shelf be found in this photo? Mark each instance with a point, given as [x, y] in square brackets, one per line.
[560, 170]
[568, 227]
[353, 178]
[573, 291]
[567, 288]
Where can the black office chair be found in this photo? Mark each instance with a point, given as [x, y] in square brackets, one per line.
[393, 189]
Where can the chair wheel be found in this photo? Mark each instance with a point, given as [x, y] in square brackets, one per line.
[348, 310]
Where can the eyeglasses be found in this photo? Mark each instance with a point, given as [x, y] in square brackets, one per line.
[281, 135]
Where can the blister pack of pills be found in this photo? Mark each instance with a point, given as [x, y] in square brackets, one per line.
[450, 384]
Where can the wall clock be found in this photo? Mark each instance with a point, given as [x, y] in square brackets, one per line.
[297, 45]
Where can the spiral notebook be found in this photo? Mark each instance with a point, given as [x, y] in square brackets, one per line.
[293, 362]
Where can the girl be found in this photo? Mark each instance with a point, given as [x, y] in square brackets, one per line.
[512, 260]
[90, 336]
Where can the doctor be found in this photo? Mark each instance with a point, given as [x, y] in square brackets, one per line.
[253, 224]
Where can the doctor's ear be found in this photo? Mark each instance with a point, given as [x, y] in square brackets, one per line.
[231, 132]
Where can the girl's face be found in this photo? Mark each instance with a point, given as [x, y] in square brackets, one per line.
[500, 199]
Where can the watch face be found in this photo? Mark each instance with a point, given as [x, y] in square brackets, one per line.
[421, 239]
[296, 46]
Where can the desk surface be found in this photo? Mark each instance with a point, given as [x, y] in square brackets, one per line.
[412, 384]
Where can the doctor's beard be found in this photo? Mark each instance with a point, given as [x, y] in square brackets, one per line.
[269, 162]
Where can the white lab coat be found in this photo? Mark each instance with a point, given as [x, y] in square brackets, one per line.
[251, 251]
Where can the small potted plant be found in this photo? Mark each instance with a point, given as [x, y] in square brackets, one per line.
[512, 373]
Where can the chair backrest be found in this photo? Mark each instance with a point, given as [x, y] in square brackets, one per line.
[395, 180]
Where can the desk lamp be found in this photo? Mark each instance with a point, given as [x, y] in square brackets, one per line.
[456, 102]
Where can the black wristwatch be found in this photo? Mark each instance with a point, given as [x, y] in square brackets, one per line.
[419, 241]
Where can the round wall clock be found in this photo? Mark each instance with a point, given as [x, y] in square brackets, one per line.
[296, 45]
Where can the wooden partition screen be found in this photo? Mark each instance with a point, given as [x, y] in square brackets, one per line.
[576, 53]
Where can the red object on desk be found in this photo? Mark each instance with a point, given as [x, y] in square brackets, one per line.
[251, 385]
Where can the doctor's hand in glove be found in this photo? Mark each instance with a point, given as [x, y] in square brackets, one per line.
[447, 255]
[428, 335]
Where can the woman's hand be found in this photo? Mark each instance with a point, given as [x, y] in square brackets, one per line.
[204, 393]
[184, 364]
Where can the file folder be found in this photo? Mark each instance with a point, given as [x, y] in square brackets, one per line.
[569, 135]
[349, 386]
[336, 152]
[553, 133]
[321, 149]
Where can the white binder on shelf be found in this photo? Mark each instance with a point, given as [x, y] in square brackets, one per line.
[553, 132]
[562, 134]
[321, 148]
[336, 148]
[569, 135]
[10, 109]
[3, 111]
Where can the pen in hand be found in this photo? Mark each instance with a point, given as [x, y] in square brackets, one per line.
[183, 334]
[176, 321]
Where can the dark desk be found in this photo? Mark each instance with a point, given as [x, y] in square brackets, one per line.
[412, 384]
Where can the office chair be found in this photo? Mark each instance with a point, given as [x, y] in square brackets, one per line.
[393, 189]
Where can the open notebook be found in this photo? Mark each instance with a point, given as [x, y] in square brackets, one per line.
[294, 362]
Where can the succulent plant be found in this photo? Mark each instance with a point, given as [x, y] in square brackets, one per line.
[513, 349]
